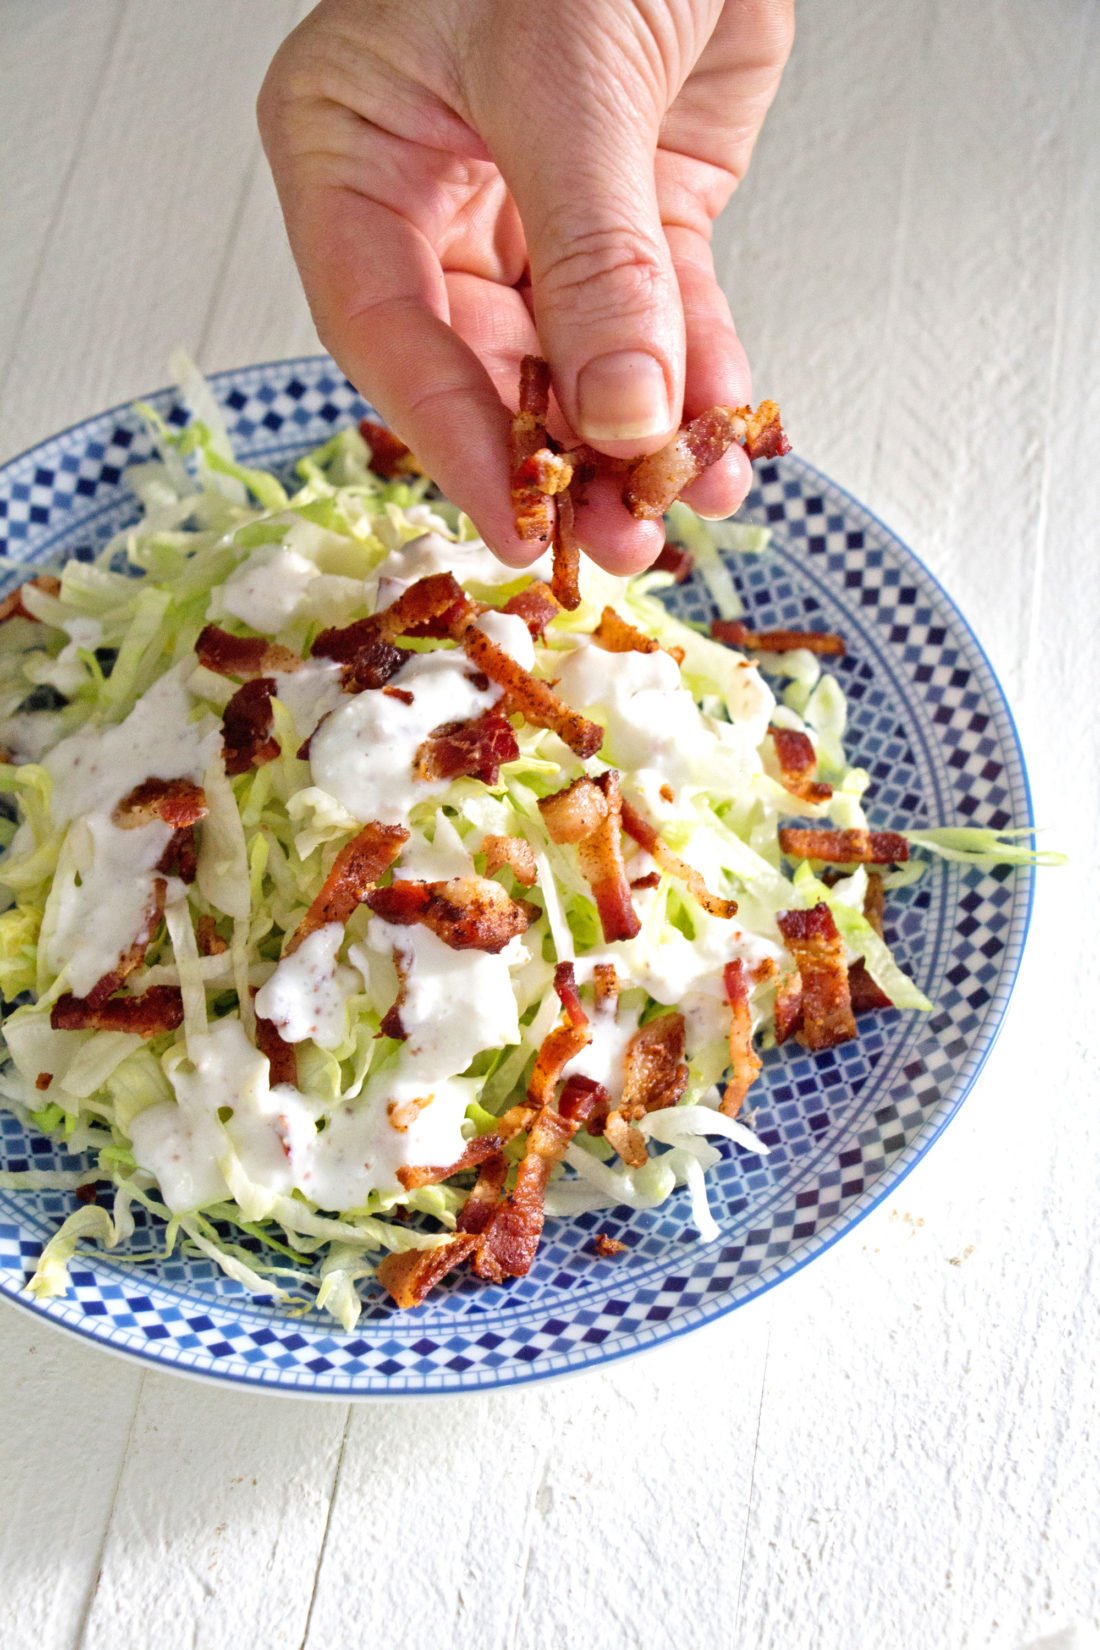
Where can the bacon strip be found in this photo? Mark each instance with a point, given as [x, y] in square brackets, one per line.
[615, 635]
[744, 1060]
[605, 984]
[534, 512]
[865, 993]
[589, 813]
[247, 722]
[181, 857]
[244, 656]
[585, 1102]
[367, 659]
[563, 1043]
[282, 1057]
[676, 560]
[510, 1240]
[477, 1210]
[413, 1176]
[147, 1015]
[389, 456]
[175, 802]
[356, 869]
[798, 764]
[467, 913]
[788, 1006]
[566, 576]
[474, 749]
[655, 1071]
[11, 607]
[814, 942]
[845, 847]
[533, 699]
[410, 1277]
[435, 605]
[736, 634]
[536, 606]
[135, 956]
[655, 482]
[646, 836]
[514, 852]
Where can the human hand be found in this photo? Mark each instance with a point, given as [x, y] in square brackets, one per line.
[470, 181]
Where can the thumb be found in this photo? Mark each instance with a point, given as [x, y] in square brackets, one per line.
[606, 299]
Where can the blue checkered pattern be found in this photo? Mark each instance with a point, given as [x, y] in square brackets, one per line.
[927, 717]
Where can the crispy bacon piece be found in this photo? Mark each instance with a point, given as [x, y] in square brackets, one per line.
[247, 723]
[175, 802]
[534, 512]
[812, 939]
[473, 749]
[368, 660]
[536, 606]
[181, 857]
[589, 813]
[43, 1080]
[646, 836]
[413, 1176]
[605, 984]
[356, 869]
[478, 1208]
[510, 1240]
[615, 635]
[533, 699]
[652, 879]
[210, 942]
[514, 852]
[147, 1015]
[788, 1006]
[563, 1043]
[676, 560]
[410, 1277]
[625, 1139]
[608, 1248]
[798, 764]
[135, 956]
[845, 847]
[585, 1102]
[655, 1071]
[435, 605]
[654, 482]
[466, 913]
[282, 1057]
[565, 578]
[738, 635]
[744, 1060]
[865, 993]
[389, 455]
[11, 607]
[244, 656]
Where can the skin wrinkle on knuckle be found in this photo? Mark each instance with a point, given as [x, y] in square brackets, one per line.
[608, 269]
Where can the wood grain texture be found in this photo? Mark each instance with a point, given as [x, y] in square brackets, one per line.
[899, 1447]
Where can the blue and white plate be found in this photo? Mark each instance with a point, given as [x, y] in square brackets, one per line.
[928, 718]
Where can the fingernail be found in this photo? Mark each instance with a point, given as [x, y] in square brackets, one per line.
[623, 397]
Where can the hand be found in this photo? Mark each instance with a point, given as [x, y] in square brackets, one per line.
[468, 181]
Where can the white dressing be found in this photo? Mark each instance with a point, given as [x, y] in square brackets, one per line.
[308, 992]
[470, 560]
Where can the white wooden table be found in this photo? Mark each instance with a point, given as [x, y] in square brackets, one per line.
[898, 1448]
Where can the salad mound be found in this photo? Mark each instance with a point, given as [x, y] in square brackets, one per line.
[365, 906]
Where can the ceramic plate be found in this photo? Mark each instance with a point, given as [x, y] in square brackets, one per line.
[927, 718]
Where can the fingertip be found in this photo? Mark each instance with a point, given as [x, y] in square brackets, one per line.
[611, 535]
[722, 489]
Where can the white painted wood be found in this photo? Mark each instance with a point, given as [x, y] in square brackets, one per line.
[897, 1448]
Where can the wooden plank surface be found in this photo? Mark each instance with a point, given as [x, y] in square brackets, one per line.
[898, 1448]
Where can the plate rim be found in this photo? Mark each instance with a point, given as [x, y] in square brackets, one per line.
[584, 1357]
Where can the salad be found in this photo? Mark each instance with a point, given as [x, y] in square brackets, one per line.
[365, 906]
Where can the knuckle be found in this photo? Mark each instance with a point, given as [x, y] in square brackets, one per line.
[604, 270]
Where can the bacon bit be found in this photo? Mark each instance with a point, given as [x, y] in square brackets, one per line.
[605, 984]
[845, 847]
[607, 1247]
[533, 699]
[655, 1070]
[563, 1043]
[368, 660]
[585, 1102]
[478, 1208]
[467, 913]
[516, 1120]
[389, 455]
[247, 723]
[654, 482]
[615, 635]
[210, 942]
[652, 879]
[245, 656]
[788, 1006]
[410, 1277]
[474, 749]
[175, 802]
[153, 1011]
[645, 835]
[589, 813]
[536, 606]
[764, 970]
[738, 635]
[566, 575]
[356, 869]
[282, 1057]
[435, 605]
[403, 694]
[744, 1060]
[866, 994]
[135, 956]
[533, 510]
[798, 764]
[413, 1176]
[818, 949]
[85, 1194]
[676, 560]
[11, 607]
[402, 1114]
[181, 857]
[625, 1139]
[667, 794]
[510, 1240]
[43, 1080]
[514, 852]
[391, 1024]
[874, 902]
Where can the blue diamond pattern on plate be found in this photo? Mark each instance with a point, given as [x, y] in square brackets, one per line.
[927, 718]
